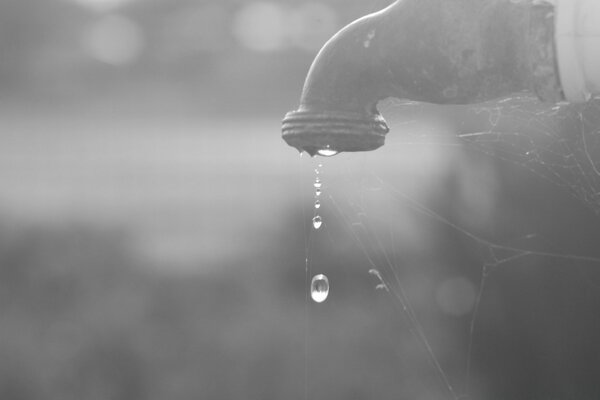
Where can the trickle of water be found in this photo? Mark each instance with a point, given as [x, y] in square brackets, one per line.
[317, 221]
[317, 204]
[319, 288]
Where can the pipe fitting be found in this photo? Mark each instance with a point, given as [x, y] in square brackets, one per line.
[434, 51]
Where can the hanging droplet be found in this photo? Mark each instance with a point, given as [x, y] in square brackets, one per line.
[317, 222]
[318, 192]
[319, 288]
[317, 204]
[327, 152]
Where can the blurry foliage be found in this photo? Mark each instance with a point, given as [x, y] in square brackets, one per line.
[187, 48]
[37, 40]
[82, 318]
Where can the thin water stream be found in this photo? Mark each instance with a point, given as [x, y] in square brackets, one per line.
[319, 286]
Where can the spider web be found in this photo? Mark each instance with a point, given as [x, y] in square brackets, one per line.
[560, 143]
[379, 211]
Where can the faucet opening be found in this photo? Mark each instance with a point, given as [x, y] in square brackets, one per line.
[434, 51]
[327, 133]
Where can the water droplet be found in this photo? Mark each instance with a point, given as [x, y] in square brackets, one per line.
[318, 192]
[327, 152]
[317, 171]
[376, 273]
[317, 204]
[320, 165]
[317, 184]
[317, 221]
[319, 288]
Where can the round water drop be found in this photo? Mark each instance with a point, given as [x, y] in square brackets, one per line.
[327, 152]
[319, 288]
[317, 222]
[317, 204]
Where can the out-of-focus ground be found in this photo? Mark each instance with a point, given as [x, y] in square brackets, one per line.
[154, 226]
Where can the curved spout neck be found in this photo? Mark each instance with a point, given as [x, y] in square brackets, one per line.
[435, 51]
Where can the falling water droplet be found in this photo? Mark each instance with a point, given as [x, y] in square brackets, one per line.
[319, 288]
[327, 152]
[376, 273]
[382, 286]
[317, 221]
[320, 165]
[317, 184]
[317, 171]
[318, 192]
[317, 204]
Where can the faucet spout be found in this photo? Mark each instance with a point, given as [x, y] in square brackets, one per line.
[434, 51]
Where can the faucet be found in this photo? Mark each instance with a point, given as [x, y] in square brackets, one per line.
[434, 51]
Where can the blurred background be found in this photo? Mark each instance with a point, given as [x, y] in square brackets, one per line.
[154, 227]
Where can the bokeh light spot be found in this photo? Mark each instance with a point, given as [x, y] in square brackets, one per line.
[102, 5]
[456, 296]
[114, 40]
[260, 26]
